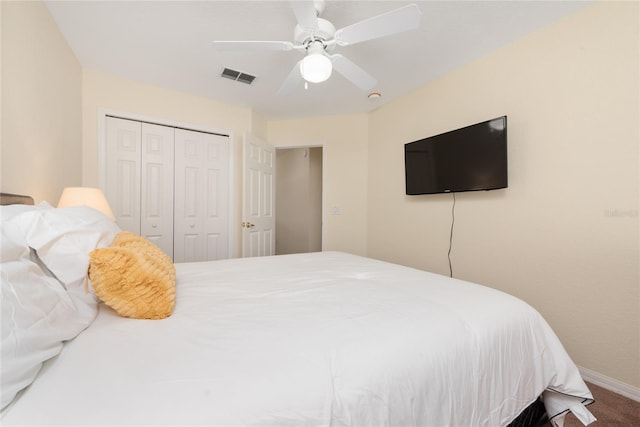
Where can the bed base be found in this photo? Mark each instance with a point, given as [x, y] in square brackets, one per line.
[533, 415]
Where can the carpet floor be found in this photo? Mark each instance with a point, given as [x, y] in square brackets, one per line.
[611, 409]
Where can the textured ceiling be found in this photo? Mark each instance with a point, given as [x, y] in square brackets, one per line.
[168, 44]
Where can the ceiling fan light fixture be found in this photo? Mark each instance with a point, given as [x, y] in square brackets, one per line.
[316, 67]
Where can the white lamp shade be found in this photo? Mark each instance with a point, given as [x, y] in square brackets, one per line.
[315, 68]
[86, 196]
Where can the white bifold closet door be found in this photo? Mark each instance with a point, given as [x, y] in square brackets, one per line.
[156, 187]
[202, 198]
[139, 184]
[170, 186]
[123, 157]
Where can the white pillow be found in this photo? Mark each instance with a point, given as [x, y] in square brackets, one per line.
[63, 238]
[38, 314]
[7, 212]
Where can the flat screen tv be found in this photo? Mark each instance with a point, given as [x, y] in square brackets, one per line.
[472, 158]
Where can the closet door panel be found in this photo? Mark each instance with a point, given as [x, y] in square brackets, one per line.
[157, 183]
[188, 242]
[122, 168]
[217, 197]
[201, 196]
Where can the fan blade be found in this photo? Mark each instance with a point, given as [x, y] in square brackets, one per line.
[306, 15]
[353, 73]
[396, 21]
[253, 45]
[293, 79]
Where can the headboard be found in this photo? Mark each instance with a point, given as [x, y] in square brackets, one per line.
[15, 199]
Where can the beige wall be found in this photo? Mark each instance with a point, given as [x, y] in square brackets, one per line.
[315, 202]
[298, 200]
[258, 125]
[292, 207]
[344, 140]
[41, 147]
[564, 235]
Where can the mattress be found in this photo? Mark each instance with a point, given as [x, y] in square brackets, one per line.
[309, 340]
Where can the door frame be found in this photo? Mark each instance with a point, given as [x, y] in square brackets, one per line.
[284, 146]
[102, 117]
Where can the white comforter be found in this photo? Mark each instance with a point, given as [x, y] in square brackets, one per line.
[308, 340]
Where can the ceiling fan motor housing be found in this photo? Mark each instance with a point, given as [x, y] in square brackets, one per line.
[325, 32]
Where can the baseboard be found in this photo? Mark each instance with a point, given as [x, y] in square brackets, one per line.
[610, 384]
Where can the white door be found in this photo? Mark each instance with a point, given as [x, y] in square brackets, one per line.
[258, 220]
[156, 204]
[201, 206]
[139, 179]
[122, 171]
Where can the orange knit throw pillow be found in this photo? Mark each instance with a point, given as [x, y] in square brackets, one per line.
[134, 277]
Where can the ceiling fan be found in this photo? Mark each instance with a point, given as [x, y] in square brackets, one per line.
[317, 37]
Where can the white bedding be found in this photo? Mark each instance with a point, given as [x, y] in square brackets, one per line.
[43, 263]
[308, 340]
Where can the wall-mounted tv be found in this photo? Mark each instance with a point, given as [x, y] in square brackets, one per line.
[468, 159]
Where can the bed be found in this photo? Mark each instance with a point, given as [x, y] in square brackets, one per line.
[319, 339]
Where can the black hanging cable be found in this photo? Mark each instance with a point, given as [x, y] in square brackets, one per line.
[453, 218]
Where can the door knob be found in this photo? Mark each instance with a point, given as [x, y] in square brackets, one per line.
[248, 225]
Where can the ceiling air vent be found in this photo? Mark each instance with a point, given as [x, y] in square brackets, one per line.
[228, 73]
